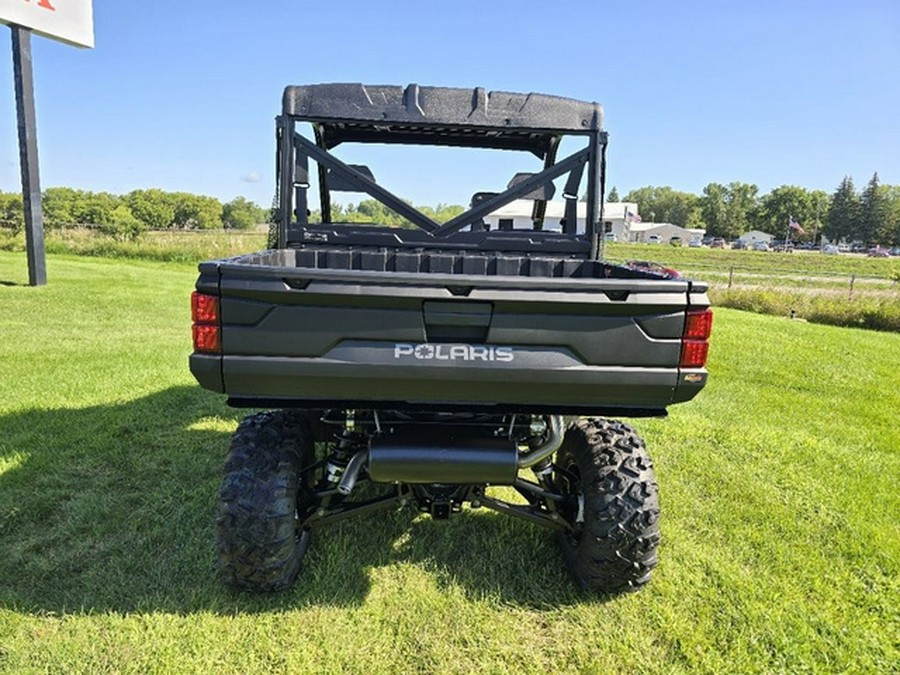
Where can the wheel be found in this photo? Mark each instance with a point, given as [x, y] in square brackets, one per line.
[604, 469]
[263, 498]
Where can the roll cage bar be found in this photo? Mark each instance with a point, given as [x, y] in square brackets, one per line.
[438, 116]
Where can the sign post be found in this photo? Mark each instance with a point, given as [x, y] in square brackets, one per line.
[28, 157]
[72, 23]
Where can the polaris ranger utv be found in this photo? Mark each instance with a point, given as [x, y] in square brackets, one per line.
[435, 362]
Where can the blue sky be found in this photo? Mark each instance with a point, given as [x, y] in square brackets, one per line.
[182, 95]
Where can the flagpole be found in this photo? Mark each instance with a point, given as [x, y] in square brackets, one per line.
[816, 228]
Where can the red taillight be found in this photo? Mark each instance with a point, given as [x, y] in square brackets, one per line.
[698, 324]
[694, 353]
[206, 338]
[204, 308]
[205, 314]
[695, 345]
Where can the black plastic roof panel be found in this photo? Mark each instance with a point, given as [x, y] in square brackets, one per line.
[438, 115]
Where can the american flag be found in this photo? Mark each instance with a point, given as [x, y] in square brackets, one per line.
[794, 225]
[632, 217]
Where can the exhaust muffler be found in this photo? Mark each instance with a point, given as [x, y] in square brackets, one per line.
[448, 454]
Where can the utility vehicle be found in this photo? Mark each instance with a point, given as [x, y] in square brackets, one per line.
[447, 365]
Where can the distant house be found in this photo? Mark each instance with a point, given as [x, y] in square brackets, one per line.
[621, 221]
[754, 236]
[663, 233]
[517, 216]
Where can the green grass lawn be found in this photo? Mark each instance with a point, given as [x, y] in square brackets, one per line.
[768, 262]
[840, 290]
[165, 246]
[780, 553]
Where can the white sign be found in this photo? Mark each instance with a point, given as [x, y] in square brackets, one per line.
[70, 21]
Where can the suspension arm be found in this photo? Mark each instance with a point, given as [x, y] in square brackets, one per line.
[351, 509]
[552, 521]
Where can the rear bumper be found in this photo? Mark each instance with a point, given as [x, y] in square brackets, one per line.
[367, 374]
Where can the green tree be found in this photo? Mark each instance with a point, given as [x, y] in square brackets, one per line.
[843, 213]
[154, 208]
[713, 211]
[369, 211]
[893, 196]
[64, 206]
[874, 225]
[821, 202]
[442, 212]
[197, 211]
[94, 208]
[780, 205]
[741, 206]
[374, 211]
[242, 214]
[12, 211]
[59, 205]
[665, 205]
[613, 195]
[728, 210]
[123, 224]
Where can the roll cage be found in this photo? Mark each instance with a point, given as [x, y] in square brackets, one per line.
[439, 116]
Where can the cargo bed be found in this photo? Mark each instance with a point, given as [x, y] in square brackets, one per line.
[404, 327]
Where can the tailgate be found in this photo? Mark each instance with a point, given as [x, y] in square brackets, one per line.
[371, 338]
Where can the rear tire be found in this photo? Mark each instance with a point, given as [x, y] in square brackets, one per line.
[604, 469]
[262, 501]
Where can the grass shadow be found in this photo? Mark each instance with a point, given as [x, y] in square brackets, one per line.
[490, 555]
[111, 508]
[482, 554]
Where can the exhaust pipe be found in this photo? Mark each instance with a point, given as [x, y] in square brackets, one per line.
[351, 473]
[448, 455]
[540, 452]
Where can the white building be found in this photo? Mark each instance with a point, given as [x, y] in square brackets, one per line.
[754, 236]
[662, 233]
[517, 216]
[621, 220]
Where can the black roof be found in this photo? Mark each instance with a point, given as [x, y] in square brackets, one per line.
[438, 115]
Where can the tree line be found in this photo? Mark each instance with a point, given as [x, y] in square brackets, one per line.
[871, 216]
[373, 211]
[129, 215]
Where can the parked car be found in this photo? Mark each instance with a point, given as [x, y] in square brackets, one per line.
[739, 244]
[653, 239]
[676, 241]
[895, 250]
[695, 243]
[830, 249]
[843, 248]
[718, 242]
[761, 246]
[878, 252]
